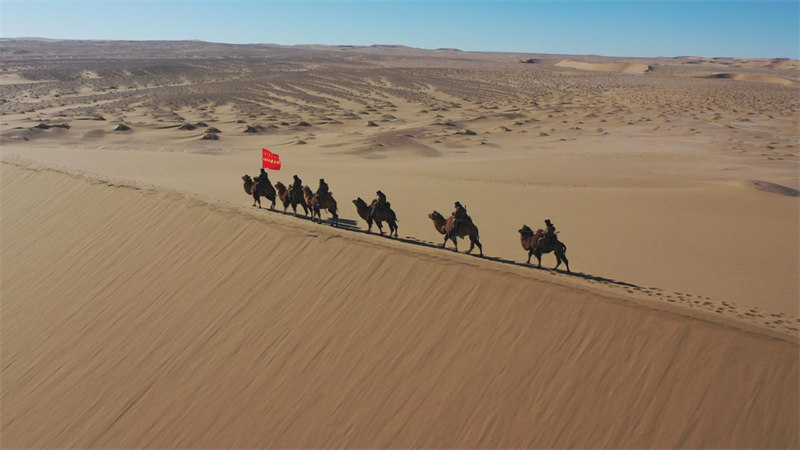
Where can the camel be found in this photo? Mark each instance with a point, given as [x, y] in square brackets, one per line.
[259, 189]
[283, 193]
[529, 241]
[387, 216]
[445, 227]
[316, 204]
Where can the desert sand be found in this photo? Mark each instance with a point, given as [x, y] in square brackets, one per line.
[145, 303]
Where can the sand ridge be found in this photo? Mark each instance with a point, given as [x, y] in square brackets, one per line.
[608, 67]
[751, 319]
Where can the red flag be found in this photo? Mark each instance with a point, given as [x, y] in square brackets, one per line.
[270, 160]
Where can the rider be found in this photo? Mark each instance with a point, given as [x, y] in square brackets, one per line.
[262, 176]
[549, 233]
[378, 205]
[459, 217]
[322, 192]
[297, 190]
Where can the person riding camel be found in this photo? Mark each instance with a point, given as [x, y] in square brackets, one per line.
[296, 191]
[379, 205]
[459, 216]
[549, 233]
[322, 191]
[262, 176]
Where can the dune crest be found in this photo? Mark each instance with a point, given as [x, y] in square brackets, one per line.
[604, 67]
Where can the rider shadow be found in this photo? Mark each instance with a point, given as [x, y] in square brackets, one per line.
[552, 271]
[347, 223]
[585, 276]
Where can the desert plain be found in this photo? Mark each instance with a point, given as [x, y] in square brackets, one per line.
[146, 303]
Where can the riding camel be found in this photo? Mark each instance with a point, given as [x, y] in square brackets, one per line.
[381, 215]
[258, 189]
[531, 242]
[467, 228]
[317, 204]
[286, 199]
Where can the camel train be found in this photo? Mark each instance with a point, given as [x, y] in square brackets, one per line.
[458, 225]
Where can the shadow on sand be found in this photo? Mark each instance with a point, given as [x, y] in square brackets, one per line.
[352, 226]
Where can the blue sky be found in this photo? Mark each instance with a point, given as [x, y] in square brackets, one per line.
[761, 28]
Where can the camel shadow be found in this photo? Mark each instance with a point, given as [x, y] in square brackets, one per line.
[353, 227]
[348, 224]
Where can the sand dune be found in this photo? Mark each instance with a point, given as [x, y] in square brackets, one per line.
[137, 318]
[754, 77]
[615, 67]
[605, 67]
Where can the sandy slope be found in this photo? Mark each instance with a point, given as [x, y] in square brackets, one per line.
[138, 318]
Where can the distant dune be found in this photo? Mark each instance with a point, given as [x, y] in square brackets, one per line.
[754, 77]
[605, 67]
[594, 67]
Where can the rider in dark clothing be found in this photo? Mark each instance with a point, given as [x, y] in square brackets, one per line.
[459, 217]
[322, 191]
[379, 205]
[262, 176]
[549, 233]
[297, 190]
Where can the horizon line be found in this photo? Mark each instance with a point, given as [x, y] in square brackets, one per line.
[41, 38]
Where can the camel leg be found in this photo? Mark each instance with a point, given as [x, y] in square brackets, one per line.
[566, 261]
[369, 228]
[380, 226]
[539, 258]
[480, 247]
[446, 237]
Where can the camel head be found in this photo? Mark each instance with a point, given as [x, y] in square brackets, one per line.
[525, 230]
[280, 187]
[435, 216]
[307, 190]
[247, 178]
[360, 203]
